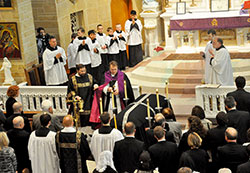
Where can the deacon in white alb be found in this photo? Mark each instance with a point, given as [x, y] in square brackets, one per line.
[54, 60]
[222, 71]
[209, 51]
[95, 56]
[102, 39]
[113, 45]
[71, 55]
[81, 49]
[133, 28]
[122, 36]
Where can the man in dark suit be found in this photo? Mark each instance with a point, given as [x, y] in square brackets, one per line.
[127, 151]
[241, 96]
[164, 154]
[19, 142]
[245, 167]
[232, 154]
[18, 108]
[159, 121]
[240, 120]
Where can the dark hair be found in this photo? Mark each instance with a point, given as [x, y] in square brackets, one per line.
[105, 117]
[145, 161]
[12, 90]
[113, 63]
[81, 29]
[168, 114]
[196, 126]
[240, 82]
[109, 28]
[39, 29]
[79, 66]
[229, 102]
[133, 12]
[129, 128]
[45, 119]
[211, 31]
[98, 25]
[52, 37]
[222, 118]
[199, 112]
[220, 41]
[73, 35]
[91, 32]
[159, 132]
[231, 136]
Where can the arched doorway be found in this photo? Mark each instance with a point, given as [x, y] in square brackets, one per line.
[120, 11]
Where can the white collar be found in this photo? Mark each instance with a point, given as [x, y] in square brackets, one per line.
[161, 140]
[68, 129]
[77, 75]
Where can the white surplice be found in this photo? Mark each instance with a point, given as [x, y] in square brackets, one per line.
[71, 56]
[102, 39]
[134, 35]
[222, 71]
[55, 73]
[43, 154]
[83, 56]
[122, 43]
[104, 142]
[95, 57]
[208, 69]
[114, 48]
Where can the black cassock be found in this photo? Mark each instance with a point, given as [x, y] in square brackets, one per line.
[137, 113]
[83, 87]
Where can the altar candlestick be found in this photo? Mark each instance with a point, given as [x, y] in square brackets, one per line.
[115, 122]
[113, 100]
[101, 109]
[148, 113]
[125, 90]
[166, 89]
[157, 98]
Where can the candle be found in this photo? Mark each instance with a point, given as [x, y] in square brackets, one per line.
[157, 98]
[101, 109]
[166, 89]
[115, 121]
[148, 112]
[125, 90]
[140, 90]
[113, 100]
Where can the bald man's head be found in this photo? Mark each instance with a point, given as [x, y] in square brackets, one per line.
[18, 122]
[231, 134]
[17, 107]
[68, 121]
[159, 119]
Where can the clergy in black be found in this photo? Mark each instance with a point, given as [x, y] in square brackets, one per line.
[82, 85]
[127, 151]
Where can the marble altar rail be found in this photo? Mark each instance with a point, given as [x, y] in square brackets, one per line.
[32, 96]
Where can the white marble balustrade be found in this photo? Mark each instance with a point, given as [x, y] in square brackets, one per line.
[212, 99]
[32, 96]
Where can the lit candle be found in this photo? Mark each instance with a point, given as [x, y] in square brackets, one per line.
[125, 90]
[115, 122]
[101, 109]
[113, 100]
[148, 110]
[157, 98]
[166, 89]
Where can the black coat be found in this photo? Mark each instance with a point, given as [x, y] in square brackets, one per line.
[244, 168]
[240, 120]
[164, 155]
[242, 98]
[8, 105]
[19, 142]
[9, 124]
[231, 155]
[126, 154]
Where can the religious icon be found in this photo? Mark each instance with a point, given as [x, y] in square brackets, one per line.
[5, 4]
[9, 43]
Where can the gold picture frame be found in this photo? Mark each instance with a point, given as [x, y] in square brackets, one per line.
[6, 5]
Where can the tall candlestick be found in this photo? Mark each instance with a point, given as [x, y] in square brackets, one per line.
[125, 90]
[115, 122]
[166, 89]
[140, 90]
[157, 98]
[101, 109]
[113, 100]
[148, 113]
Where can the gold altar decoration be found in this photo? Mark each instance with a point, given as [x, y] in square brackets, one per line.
[214, 22]
[193, 4]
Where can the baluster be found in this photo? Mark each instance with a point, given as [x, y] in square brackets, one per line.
[57, 102]
[38, 104]
[31, 100]
[25, 103]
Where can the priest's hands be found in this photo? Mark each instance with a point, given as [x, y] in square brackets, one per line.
[110, 89]
[116, 92]
[211, 52]
[58, 55]
[104, 47]
[114, 38]
[95, 50]
[120, 36]
[83, 42]
[96, 87]
[78, 98]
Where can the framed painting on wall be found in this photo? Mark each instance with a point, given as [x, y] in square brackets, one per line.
[6, 5]
[219, 5]
[180, 7]
[9, 41]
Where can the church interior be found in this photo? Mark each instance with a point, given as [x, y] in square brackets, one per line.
[174, 33]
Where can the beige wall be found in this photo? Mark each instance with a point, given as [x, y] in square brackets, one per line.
[22, 15]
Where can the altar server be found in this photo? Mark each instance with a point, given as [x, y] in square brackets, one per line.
[82, 50]
[222, 71]
[133, 28]
[209, 51]
[121, 35]
[71, 55]
[113, 45]
[54, 59]
[101, 38]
